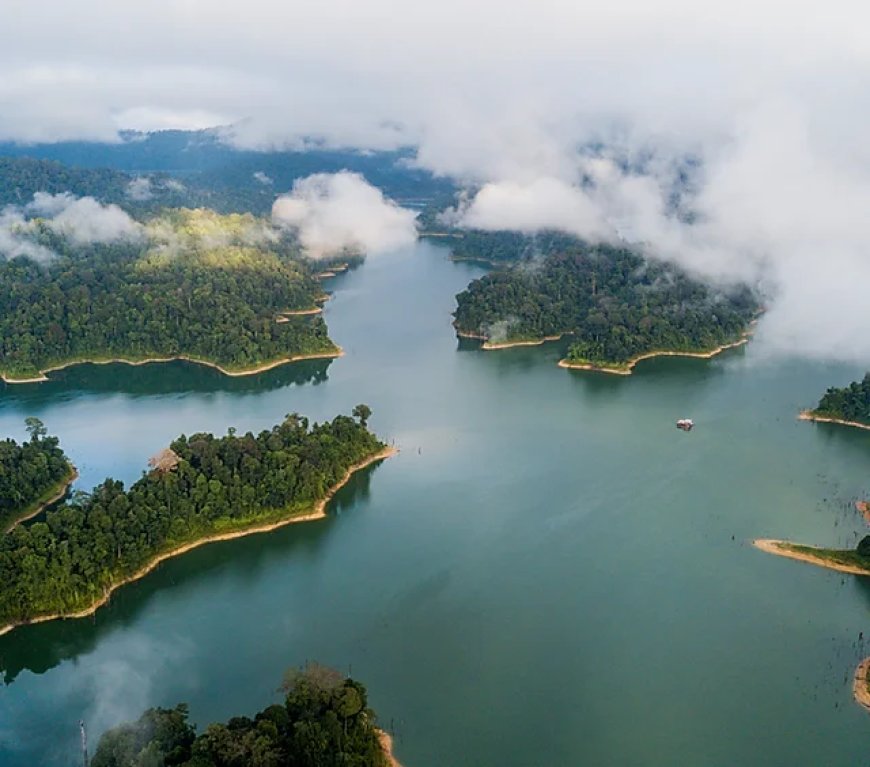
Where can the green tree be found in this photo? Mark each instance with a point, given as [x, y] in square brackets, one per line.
[363, 412]
[35, 428]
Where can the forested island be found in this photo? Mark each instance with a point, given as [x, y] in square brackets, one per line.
[202, 488]
[849, 405]
[324, 721]
[618, 306]
[33, 475]
[221, 290]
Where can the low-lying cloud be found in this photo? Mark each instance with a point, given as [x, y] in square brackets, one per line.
[768, 98]
[334, 212]
[82, 220]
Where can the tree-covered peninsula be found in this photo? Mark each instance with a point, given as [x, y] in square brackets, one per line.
[617, 305]
[224, 290]
[202, 488]
[324, 721]
[32, 475]
[849, 405]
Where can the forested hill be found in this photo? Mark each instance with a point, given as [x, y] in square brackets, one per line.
[616, 304]
[22, 177]
[30, 474]
[851, 403]
[200, 168]
[324, 721]
[195, 284]
[203, 487]
[503, 248]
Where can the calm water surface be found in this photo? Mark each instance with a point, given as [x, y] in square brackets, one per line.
[548, 575]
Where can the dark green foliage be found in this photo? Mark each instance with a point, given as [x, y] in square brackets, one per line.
[29, 472]
[212, 172]
[324, 722]
[851, 403]
[220, 485]
[363, 412]
[161, 736]
[107, 301]
[506, 247]
[615, 303]
[863, 547]
[22, 177]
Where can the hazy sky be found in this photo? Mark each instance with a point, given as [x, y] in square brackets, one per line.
[771, 97]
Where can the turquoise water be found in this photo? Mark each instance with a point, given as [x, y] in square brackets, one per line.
[548, 574]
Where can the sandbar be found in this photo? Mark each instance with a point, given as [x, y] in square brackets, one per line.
[808, 415]
[785, 549]
[860, 688]
[386, 741]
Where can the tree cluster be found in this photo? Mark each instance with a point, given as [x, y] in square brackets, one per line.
[324, 722]
[29, 471]
[218, 304]
[851, 403]
[221, 484]
[616, 304]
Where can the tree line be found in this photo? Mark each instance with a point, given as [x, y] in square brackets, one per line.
[217, 303]
[30, 472]
[324, 721]
[849, 403]
[616, 304]
[212, 485]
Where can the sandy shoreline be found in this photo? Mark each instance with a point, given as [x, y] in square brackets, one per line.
[318, 512]
[808, 415]
[509, 344]
[859, 684]
[282, 316]
[180, 358]
[629, 366]
[387, 745]
[780, 549]
[489, 346]
[61, 492]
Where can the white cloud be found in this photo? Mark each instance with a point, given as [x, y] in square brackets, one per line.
[14, 240]
[139, 189]
[335, 211]
[770, 97]
[264, 179]
[84, 220]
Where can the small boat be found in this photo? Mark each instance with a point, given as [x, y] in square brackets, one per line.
[686, 424]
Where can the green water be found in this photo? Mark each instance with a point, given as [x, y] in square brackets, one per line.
[548, 575]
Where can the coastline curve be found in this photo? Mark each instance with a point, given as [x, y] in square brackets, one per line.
[318, 511]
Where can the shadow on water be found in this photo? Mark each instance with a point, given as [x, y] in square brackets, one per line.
[159, 378]
[41, 647]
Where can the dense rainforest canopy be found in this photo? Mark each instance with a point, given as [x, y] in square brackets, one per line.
[324, 721]
[193, 283]
[30, 473]
[504, 247]
[198, 168]
[217, 485]
[617, 304]
[851, 403]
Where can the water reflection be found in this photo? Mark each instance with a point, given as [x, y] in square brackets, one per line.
[159, 378]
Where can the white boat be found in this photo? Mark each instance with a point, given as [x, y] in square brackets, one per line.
[686, 424]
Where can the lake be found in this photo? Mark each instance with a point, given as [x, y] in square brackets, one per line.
[549, 574]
